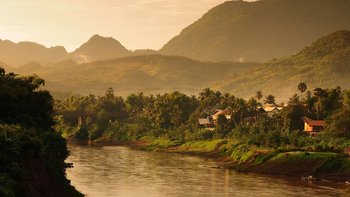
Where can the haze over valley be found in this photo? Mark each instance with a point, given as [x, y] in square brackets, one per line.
[168, 98]
[226, 50]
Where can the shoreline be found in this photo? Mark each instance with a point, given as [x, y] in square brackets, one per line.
[310, 170]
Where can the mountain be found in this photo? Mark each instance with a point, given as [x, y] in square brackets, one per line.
[259, 31]
[96, 48]
[325, 63]
[146, 73]
[144, 52]
[16, 54]
[99, 48]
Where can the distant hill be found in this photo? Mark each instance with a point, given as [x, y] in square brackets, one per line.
[16, 54]
[144, 52]
[147, 73]
[99, 48]
[259, 31]
[96, 48]
[325, 63]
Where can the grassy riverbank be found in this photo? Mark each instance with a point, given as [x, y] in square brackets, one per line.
[242, 135]
[313, 166]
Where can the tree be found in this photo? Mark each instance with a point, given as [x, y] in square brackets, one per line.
[319, 93]
[302, 88]
[21, 101]
[339, 123]
[293, 114]
[270, 99]
[295, 99]
[109, 93]
[346, 99]
[259, 95]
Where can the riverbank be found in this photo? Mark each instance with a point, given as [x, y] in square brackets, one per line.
[309, 166]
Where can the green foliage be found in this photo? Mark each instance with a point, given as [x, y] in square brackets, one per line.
[164, 143]
[339, 124]
[206, 145]
[300, 156]
[26, 137]
[22, 103]
[171, 119]
[324, 63]
[338, 165]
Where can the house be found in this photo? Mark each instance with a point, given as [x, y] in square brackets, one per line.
[210, 122]
[270, 110]
[206, 123]
[226, 112]
[313, 126]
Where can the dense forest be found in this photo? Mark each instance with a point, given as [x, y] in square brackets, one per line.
[173, 118]
[32, 154]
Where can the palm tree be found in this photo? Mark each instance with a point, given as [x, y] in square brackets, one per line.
[319, 94]
[270, 99]
[258, 95]
[302, 87]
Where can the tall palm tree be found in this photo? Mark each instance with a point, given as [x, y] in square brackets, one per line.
[258, 95]
[302, 87]
[270, 99]
[319, 94]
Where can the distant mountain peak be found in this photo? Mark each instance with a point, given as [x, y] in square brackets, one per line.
[99, 48]
[99, 38]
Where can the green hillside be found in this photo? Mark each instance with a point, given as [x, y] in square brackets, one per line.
[259, 31]
[147, 73]
[325, 63]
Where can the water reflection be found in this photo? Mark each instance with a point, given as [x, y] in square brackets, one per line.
[120, 171]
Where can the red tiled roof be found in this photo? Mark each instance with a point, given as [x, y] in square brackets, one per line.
[320, 123]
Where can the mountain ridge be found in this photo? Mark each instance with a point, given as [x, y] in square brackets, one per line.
[23, 52]
[324, 63]
[258, 31]
[144, 73]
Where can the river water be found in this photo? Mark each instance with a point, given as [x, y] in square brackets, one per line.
[121, 171]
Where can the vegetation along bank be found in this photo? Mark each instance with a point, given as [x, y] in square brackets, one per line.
[308, 136]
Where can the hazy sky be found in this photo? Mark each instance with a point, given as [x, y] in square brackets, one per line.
[135, 23]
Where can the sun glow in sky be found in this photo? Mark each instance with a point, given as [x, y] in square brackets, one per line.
[135, 23]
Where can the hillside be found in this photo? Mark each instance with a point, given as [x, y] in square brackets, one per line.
[259, 31]
[325, 63]
[148, 73]
[16, 54]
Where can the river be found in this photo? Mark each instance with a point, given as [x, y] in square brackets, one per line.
[121, 171]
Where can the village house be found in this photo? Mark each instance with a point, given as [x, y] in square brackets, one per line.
[270, 110]
[226, 112]
[206, 123]
[313, 126]
[210, 122]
